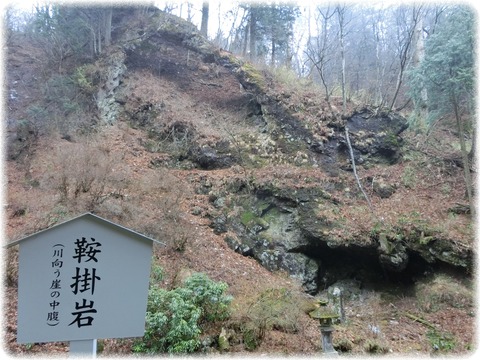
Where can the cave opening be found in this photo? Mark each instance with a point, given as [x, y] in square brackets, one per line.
[362, 265]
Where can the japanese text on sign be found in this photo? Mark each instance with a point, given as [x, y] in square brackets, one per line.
[57, 263]
[84, 281]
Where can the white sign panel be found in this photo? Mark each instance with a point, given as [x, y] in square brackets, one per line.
[84, 279]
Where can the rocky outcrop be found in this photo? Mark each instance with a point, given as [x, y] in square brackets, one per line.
[376, 135]
[281, 229]
[107, 103]
[209, 158]
[267, 230]
[296, 229]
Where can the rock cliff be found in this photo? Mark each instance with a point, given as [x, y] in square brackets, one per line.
[289, 199]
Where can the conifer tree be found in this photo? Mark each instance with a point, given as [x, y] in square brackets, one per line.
[447, 73]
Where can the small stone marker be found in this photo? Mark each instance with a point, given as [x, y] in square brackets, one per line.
[81, 280]
[337, 297]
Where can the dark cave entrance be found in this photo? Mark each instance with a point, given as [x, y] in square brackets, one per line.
[362, 265]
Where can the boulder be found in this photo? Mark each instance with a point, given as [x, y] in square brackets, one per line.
[392, 254]
[382, 189]
[208, 158]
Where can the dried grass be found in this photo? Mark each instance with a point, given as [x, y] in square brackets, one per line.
[443, 291]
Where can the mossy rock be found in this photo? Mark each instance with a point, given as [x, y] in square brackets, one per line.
[247, 217]
[250, 220]
[323, 314]
[252, 77]
[223, 343]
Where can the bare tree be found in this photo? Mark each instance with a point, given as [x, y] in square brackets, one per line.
[406, 26]
[342, 23]
[380, 64]
[319, 48]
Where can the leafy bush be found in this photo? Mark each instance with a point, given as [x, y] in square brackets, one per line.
[209, 296]
[171, 323]
[174, 318]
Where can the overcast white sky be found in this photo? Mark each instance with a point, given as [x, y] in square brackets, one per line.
[218, 17]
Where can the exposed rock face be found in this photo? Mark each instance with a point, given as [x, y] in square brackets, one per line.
[209, 158]
[267, 230]
[285, 228]
[107, 104]
[392, 256]
[282, 233]
[280, 228]
[377, 136]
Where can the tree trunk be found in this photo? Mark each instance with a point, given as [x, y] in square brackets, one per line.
[204, 26]
[397, 88]
[323, 52]
[273, 50]
[189, 12]
[404, 50]
[253, 32]
[463, 147]
[471, 154]
[99, 38]
[341, 23]
[108, 27]
[245, 43]
[94, 43]
[352, 158]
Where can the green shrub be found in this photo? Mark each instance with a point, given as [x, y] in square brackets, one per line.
[252, 337]
[174, 318]
[171, 323]
[156, 274]
[209, 296]
[441, 341]
[409, 177]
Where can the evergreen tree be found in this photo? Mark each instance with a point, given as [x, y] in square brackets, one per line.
[275, 29]
[270, 30]
[447, 69]
[447, 74]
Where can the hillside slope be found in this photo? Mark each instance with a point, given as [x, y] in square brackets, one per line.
[248, 179]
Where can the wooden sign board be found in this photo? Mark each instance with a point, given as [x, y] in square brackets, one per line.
[83, 279]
